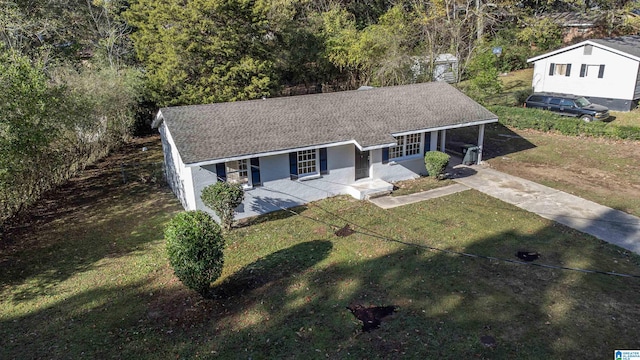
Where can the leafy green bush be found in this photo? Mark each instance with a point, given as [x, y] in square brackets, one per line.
[436, 162]
[482, 73]
[223, 197]
[195, 248]
[522, 95]
[541, 120]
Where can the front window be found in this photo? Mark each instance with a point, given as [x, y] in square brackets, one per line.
[582, 102]
[238, 172]
[412, 146]
[407, 145]
[307, 162]
[398, 150]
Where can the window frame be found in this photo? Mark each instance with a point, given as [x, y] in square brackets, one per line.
[560, 69]
[225, 172]
[235, 174]
[584, 70]
[315, 160]
[405, 149]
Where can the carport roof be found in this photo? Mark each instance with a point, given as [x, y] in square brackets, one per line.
[367, 118]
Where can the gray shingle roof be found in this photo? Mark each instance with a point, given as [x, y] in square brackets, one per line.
[224, 130]
[628, 44]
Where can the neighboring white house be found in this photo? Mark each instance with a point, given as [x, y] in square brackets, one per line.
[289, 151]
[605, 71]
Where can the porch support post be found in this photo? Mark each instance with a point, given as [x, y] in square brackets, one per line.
[480, 142]
[443, 135]
[434, 141]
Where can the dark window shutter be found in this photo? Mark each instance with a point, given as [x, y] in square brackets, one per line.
[255, 171]
[293, 165]
[221, 172]
[551, 69]
[323, 161]
[601, 72]
[568, 70]
[427, 142]
[385, 155]
[583, 70]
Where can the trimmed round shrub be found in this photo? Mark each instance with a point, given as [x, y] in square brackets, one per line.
[195, 247]
[436, 162]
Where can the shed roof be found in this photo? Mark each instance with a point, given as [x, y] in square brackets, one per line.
[576, 18]
[624, 45]
[369, 118]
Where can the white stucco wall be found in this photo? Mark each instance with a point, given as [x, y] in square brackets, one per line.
[178, 175]
[619, 79]
[278, 191]
[397, 170]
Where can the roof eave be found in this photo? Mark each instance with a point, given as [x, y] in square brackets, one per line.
[447, 127]
[586, 42]
[354, 142]
[158, 120]
[269, 153]
[561, 50]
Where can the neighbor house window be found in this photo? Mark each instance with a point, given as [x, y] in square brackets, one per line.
[587, 69]
[407, 145]
[560, 69]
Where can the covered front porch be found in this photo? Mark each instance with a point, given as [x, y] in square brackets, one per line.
[284, 194]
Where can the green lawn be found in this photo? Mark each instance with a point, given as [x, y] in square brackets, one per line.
[88, 278]
[423, 183]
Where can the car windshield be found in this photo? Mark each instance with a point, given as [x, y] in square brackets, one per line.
[582, 102]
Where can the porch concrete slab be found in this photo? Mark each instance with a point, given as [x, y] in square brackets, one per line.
[605, 223]
[366, 189]
[388, 202]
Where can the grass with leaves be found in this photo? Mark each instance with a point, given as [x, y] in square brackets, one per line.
[89, 278]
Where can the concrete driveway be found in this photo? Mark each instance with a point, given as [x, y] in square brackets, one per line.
[605, 223]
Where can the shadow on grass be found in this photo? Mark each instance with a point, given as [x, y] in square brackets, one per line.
[498, 140]
[275, 266]
[286, 306]
[91, 217]
[291, 303]
[271, 216]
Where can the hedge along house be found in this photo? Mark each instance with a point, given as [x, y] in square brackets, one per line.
[605, 71]
[289, 151]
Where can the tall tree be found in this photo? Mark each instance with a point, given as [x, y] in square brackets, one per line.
[204, 51]
[379, 54]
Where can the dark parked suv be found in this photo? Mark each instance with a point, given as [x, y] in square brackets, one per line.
[568, 105]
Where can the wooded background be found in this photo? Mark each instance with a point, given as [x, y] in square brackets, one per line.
[79, 77]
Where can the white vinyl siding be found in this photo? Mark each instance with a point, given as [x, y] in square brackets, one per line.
[617, 81]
